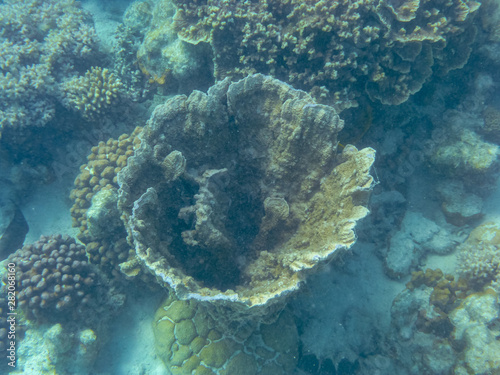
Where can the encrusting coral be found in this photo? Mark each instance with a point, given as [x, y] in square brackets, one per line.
[336, 50]
[93, 93]
[189, 340]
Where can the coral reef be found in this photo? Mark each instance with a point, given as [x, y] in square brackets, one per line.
[188, 341]
[479, 257]
[92, 94]
[476, 325]
[97, 180]
[42, 42]
[57, 350]
[337, 50]
[55, 280]
[223, 205]
[453, 328]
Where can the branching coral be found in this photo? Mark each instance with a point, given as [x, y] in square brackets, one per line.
[479, 257]
[92, 94]
[41, 43]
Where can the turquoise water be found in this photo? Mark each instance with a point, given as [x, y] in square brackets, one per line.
[249, 187]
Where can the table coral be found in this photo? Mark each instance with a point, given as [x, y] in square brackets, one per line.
[336, 50]
[235, 195]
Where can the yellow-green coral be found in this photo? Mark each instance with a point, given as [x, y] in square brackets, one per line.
[223, 205]
[92, 94]
[189, 341]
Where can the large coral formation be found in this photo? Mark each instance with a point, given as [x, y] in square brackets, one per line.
[55, 280]
[188, 340]
[92, 94]
[96, 181]
[234, 195]
[41, 42]
[334, 49]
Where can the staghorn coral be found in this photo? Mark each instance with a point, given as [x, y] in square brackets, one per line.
[188, 340]
[92, 94]
[98, 179]
[336, 50]
[55, 280]
[42, 42]
[193, 196]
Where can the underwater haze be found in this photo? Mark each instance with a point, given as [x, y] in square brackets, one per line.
[235, 187]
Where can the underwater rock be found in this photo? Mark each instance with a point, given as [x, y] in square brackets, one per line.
[13, 236]
[460, 208]
[103, 216]
[462, 152]
[417, 236]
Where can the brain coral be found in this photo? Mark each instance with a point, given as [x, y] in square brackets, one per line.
[41, 42]
[189, 341]
[234, 195]
[334, 49]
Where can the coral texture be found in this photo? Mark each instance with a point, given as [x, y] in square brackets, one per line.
[93, 93]
[41, 42]
[55, 280]
[479, 257]
[188, 341]
[336, 50]
[99, 174]
[234, 195]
